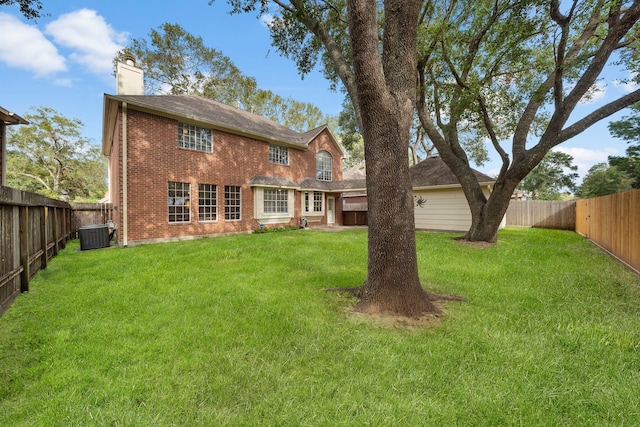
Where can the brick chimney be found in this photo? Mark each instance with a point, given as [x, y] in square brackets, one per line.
[129, 78]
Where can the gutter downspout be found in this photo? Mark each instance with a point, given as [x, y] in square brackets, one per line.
[125, 204]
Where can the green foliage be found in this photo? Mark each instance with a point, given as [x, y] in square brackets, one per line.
[628, 129]
[51, 157]
[264, 230]
[550, 177]
[178, 63]
[30, 9]
[238, 331]
[602, 180]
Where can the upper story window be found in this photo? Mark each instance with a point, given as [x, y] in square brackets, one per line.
[323, 166]
[278, 154]
[195, 138]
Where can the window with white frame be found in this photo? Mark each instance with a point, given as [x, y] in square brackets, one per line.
[278, 154]
[275, 201]
[323, 166]
[318, 198]
[179, 202]
[232, 206]
[195, 138]
[313, 202]
[207, 202]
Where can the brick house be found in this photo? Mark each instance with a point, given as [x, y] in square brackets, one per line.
[185, 166]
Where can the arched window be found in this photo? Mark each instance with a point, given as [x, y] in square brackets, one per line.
[323, 166]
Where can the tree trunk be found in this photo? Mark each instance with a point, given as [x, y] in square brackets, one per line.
[487, 215]
[386, 92]
[486, 219]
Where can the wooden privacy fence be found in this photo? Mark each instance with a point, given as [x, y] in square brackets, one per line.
[613, 223]
[33, 229]
[542, 214]
[89, 214]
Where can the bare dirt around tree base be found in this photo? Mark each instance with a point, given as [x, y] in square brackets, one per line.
[395, 321]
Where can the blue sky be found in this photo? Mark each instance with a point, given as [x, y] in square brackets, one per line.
[63, 61]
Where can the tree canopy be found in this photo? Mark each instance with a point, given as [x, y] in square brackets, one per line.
[51, 157]
[30, 9]
[602, 180]
[178, 63]
[628, 129]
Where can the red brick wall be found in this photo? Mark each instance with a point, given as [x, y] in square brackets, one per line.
[154, 159]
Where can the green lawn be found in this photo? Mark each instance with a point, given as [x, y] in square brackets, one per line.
[238, 331]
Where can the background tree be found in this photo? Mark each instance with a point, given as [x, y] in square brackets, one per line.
[555, 173]
[515, 71]
[628, 129]
[602, 180]
[50, 156]
[176, 62]
[30, 9]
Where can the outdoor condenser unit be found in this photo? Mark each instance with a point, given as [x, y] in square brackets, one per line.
[93, 237]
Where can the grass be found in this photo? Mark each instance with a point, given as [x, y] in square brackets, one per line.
[238, 331]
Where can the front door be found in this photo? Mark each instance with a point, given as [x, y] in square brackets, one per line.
[331, 212]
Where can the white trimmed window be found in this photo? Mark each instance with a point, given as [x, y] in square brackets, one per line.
[207, 202]
[275, 201]
[179, 202]
[323, 166]
[232, 203]
[278, 154]
[273, 205]
[195, 137]
[313, 203]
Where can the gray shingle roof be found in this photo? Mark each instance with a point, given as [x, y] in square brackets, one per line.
[221, 116]
[433, 171]
[271, 181]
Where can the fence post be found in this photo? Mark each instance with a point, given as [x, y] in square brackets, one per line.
[44, 237]
[54, 225]
[24, 249]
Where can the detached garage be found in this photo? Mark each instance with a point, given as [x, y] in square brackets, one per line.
[439, 202]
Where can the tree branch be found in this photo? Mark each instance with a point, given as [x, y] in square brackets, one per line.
[601, 113]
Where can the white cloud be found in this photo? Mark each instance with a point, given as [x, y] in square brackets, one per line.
[596, 93]
[584, 158]
[24, 46]
[266, 19]
[628, 85]
[93, 41]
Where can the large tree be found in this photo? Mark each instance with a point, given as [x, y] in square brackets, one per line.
[510, 70]
[50, 156]
[376, 64]
[176, 62]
